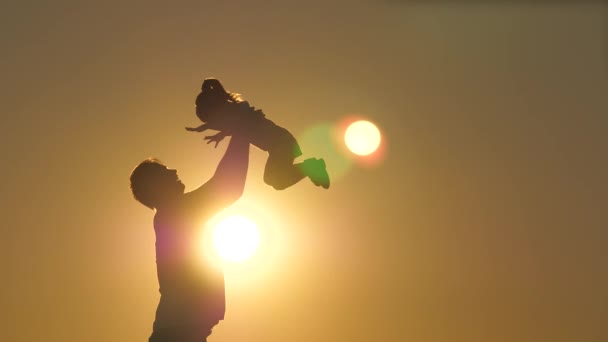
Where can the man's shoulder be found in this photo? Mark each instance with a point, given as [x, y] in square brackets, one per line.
[197, 204]
[168, 215]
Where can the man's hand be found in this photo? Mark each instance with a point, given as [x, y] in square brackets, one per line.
[216, 138]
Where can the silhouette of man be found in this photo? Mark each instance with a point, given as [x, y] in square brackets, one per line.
[192, 297]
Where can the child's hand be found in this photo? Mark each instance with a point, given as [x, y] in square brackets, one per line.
[216, 137]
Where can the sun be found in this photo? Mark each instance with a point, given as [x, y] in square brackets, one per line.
[236, 238]
[362, 137]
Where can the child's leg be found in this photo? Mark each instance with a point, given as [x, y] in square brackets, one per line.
[281, 172]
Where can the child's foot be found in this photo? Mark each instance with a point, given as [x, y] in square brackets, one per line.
[316, 170]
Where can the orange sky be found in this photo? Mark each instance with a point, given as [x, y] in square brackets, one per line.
[485, 221]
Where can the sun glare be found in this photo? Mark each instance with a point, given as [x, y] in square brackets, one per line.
[362, 137]
[236, 238]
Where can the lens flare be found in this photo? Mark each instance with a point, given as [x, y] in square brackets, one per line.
[362, 137]
[324, 141]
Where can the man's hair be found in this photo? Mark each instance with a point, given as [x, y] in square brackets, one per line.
[143, 180]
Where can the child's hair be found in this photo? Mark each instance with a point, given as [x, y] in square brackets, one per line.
[213, 93]
[235, 97]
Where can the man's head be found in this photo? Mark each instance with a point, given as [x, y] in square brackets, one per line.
[154, 185]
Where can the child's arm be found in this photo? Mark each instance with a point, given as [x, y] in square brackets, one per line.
[200, 128]
[207, 125]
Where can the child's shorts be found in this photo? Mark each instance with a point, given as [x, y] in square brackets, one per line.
[285, 145]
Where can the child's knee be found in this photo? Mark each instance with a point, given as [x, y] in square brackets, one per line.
[280, 186]
[276, 182]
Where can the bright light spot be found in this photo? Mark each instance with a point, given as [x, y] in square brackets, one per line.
[236, 238]
[362, 137]
[326, 140]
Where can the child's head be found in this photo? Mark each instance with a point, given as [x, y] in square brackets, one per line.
[206, 102]
[210, 100]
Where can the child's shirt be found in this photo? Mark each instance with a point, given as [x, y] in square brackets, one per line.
[262, 132]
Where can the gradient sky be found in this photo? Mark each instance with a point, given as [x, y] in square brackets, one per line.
[486, 220]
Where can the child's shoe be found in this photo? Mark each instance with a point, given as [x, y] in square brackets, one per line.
[316, 170]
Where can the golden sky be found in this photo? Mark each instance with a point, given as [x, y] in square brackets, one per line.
[485, 221]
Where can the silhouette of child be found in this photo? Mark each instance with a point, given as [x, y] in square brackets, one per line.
[228, 113]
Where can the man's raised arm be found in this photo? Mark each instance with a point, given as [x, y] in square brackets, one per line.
[228, 182]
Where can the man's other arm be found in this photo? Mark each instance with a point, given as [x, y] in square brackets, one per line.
[228, 182]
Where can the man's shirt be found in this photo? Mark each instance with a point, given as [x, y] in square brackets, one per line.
[190, 287]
